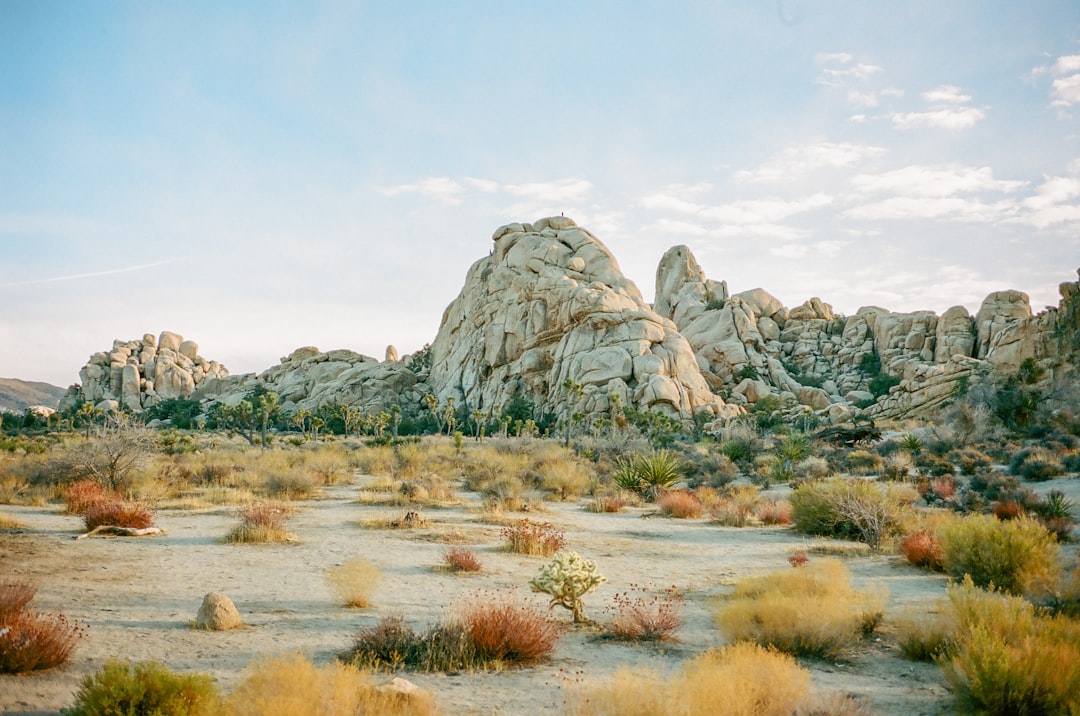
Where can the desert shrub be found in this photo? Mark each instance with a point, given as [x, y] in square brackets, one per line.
[931, 464]
[680, 504]
[637, 616]
[1009, 660]
[78, 496]
[117, 513]
[740, 450]
[922, 549]
[896, 466]
[970, 460]
[14, 597]
[851, 509]
[864, 462]
[1015, 556]
[289, 484]
[30, 641]
[293, 686]
[565, 478]
[1036, 464]
[926, 636]
[261, 522]
[774, 512]
[736, 507]
[567, 578]
[354, 581]
[748, 680]
[459, 559]
[611, 500]
[1008, 510]
[145, 688]
[772, 468]
[775, 610]
[536, 539]
[392, 644]
[714, 469]
[1055, 511]
[505, 630]
[811, 468]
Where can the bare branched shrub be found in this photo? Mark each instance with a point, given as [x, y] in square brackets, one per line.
[30, 641]
[638, 616]
[116, 512]
[504, 629]
[261, 522]
[680, 504]
[537, 539]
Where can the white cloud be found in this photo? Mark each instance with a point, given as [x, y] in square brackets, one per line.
[441, 189]
[485, 185]
[839, 58]
[949, 94]
[677, 228]
[789, 251]
[1055, 201]
[1066, 64]
[954, 119]
[939, 181]
[764, 211]
[1066, 91]
[90, 274]
[839, 77]
[560, 190]
[808, 158]
[831, 248]
[924, 207]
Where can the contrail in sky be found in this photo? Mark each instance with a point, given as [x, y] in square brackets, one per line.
[77, 276]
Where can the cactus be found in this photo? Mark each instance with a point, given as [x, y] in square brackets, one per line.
[568, 578]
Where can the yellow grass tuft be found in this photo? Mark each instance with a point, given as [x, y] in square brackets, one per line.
[354, 581]
[292, 686]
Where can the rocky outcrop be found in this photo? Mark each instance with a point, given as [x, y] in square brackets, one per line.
[752, 346]
[550, 304]
[137, 374]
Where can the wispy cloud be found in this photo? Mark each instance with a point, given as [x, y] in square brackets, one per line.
[809, 158]
[90, 274]
[1065, 87]
[954, 119]
[945, 180]
[441, 189]
[560, 190]
[952, 192]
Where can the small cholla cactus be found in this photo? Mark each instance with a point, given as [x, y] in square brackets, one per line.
[568, 578]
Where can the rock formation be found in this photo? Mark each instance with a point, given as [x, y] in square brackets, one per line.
[217, 613]
[549, 315]
[138, 374]
[550, 304]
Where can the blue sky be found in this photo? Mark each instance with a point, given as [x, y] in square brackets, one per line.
[260, 176]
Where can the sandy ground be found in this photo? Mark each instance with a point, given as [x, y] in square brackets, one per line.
[138, 598]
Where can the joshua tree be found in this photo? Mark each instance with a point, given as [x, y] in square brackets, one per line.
[574, 392]
[268, 407]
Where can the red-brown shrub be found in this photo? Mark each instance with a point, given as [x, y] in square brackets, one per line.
[29, 641]
[538, 539]
[922, 549]
[118, 513]
[635, 618]
[798, 559]
[680, 504]
[943, 486]
[776, 512]
[14, 596]
[79, 496]
[1008, 510]
[462, 560]
[503, 629]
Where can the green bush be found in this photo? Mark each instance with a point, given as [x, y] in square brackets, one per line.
[1007, 659]
[649, 474]
[124, 689]
[1036, 464]
[1016, 556]
[850, 509]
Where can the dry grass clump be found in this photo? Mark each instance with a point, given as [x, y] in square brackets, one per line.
[736, 506]
[117, 513]
[1008, 659]
[261, 522]
[536, 539]
[809, 611]
[354, 581]
[739, 680]
[289, 484]
[10, 523]
[293, 686]
[1017, 556]
[409, 519]
[925, 635]
[459, 559]
[774, 512]
[146, 688]
[680, 504]
[565, 478]
[636, 616]
[610, 501]
[31, 641]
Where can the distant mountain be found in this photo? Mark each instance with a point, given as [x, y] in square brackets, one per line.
[16, 395]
